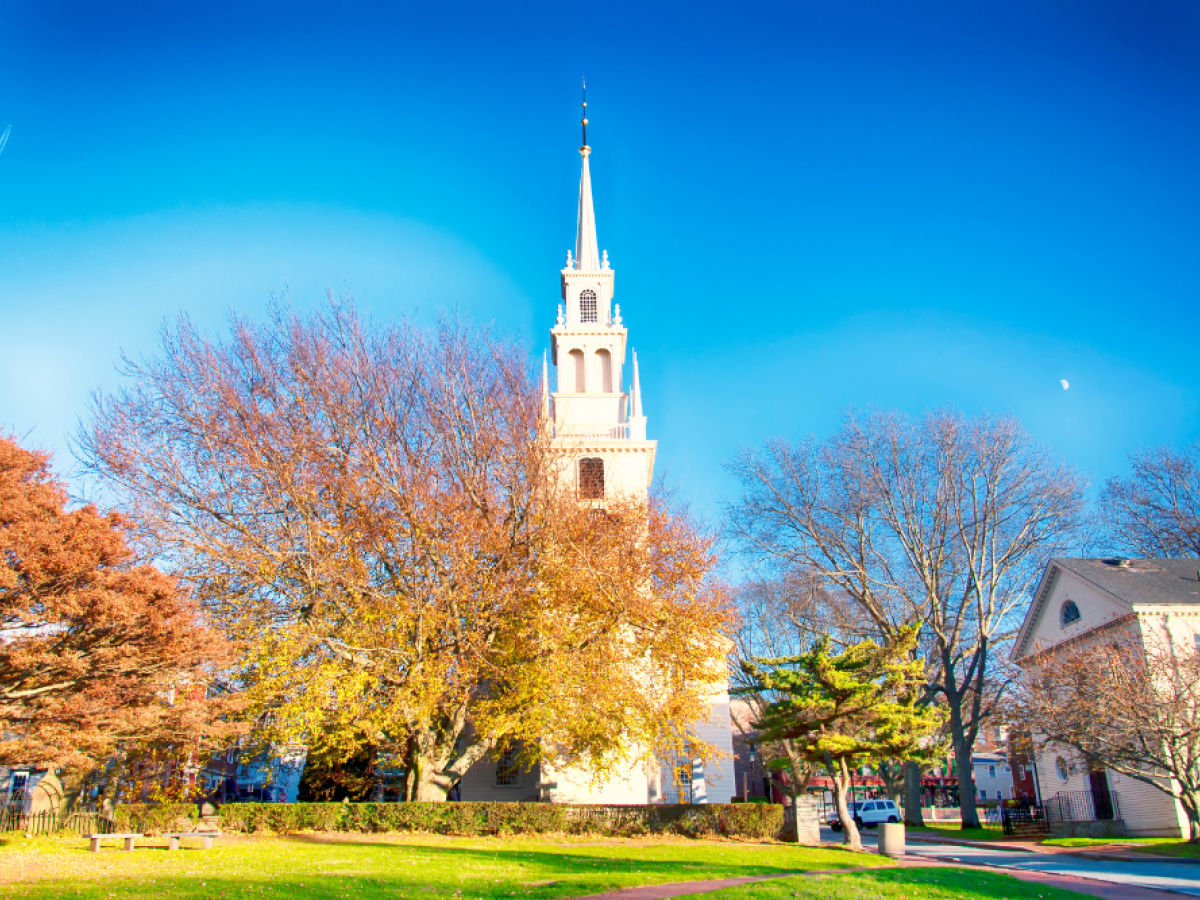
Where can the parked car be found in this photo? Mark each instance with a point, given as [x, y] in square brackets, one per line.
[867, 812]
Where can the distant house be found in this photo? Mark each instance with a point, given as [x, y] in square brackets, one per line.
[26, 789]
[993, 776]
[1080, 600]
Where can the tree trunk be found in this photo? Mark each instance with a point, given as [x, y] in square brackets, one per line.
[73, 783]
[1191, 806]
[839, 774]
[891, 773]
[913, 815]
[966, 773]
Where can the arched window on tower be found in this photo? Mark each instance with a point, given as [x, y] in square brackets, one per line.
[591, 478]
[1069, 614]
[588, 309]
[577, 370]
[604, 358]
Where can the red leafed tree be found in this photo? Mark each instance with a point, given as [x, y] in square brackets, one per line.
[96, 652]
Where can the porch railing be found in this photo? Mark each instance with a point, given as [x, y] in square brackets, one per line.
[1082, 806]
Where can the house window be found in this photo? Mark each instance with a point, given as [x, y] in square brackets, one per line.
[983, 795]
[1062, 769]
[507, 773]
[588, 311]
[991, 771]
[591, 479]
[1070, 613]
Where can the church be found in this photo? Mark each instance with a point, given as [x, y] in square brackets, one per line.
[600, 427]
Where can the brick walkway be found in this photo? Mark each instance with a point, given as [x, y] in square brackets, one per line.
[1087, 886]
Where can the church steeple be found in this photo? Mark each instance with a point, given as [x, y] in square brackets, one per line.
[587, 249]
[594, 419]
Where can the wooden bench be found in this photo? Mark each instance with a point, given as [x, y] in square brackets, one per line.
[174, 836]
[127, 838]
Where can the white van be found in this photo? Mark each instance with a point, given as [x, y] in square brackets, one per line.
[867, 812]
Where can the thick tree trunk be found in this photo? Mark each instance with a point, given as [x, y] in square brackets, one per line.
[1191, 806]
[965, 772]
[73, 783]
[912, 795]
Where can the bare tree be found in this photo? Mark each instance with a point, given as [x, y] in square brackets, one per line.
[1155, 512]
[944, 521]
[376, 513]
[1128, 704]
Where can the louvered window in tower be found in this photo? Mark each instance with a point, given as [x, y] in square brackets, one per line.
[591, 479]
[588, 310]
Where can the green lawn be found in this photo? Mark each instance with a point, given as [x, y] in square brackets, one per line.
[325, 867]
[893, 884]
[1161, 846]
[969, 834]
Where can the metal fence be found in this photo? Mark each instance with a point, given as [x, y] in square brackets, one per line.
[54, 822]
[1082, 806]
[1026, 821]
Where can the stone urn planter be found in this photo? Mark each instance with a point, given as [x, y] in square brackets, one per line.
[891, 839]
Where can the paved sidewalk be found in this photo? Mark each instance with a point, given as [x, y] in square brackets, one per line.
[1115, 852]
[1087, 886]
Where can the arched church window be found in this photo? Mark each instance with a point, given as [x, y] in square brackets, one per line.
[578, 366]
[604, 358]
[1070, 613]
[591, 479]
[588, 309]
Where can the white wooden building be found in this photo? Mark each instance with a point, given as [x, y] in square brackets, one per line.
[595, 402]
[1079, 600]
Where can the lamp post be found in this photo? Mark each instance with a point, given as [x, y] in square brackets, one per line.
[753, 758]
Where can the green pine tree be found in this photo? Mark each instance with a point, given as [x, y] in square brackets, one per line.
[843, 708]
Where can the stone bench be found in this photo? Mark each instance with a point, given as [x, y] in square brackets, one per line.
[96, 840]
[174, 836]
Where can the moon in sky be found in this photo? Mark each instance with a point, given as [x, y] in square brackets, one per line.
[1066, 384]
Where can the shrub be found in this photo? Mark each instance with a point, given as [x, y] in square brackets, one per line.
[756, 821]
[148, 818]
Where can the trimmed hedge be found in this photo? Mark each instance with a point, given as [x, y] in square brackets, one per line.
[754, 821]
[147, 818]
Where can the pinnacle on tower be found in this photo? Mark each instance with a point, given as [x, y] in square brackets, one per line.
[587, 248]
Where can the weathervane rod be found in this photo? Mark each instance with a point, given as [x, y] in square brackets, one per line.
[585, 143]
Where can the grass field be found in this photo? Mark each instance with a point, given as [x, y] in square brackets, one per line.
[327, 867]
[894, 884]
[1163, 847]
[969, 834]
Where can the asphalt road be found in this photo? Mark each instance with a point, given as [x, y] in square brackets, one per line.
[1181, 877]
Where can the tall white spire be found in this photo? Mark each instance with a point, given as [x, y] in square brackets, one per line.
[545, 387]
[587, 249]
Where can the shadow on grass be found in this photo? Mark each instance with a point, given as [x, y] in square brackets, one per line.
[893, 884]
[313, 867]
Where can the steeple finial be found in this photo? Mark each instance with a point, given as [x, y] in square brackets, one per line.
[587, 251]
[584, 122]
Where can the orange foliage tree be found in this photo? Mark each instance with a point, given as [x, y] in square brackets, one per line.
[97, 654]
[378, 515]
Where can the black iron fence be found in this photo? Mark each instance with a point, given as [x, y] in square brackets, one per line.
[1024, 821]
[1082, 806]
[53, 822]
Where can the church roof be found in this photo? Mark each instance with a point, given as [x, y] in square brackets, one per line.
[1131, 582]
[1141, 581]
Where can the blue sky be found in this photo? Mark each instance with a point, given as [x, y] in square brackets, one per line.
[810, 206]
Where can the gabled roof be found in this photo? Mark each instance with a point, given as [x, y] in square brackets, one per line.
[1130, 582]
[1141, 581]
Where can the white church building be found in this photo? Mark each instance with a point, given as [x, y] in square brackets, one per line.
[1084, 601]
[600, 425]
